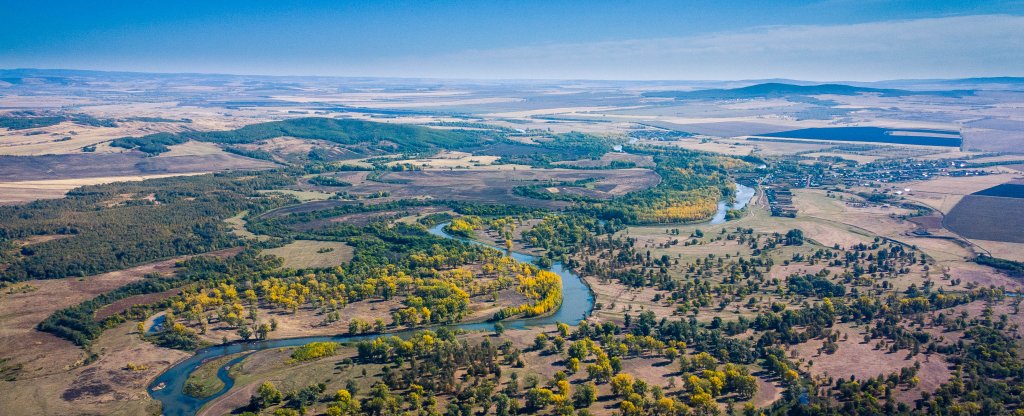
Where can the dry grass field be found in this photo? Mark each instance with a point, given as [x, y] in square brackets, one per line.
[19, 192]
[304, 196]
[105, 387]
[363, 218]
[863, 360]
[28, 178]
[1002, 249]
[943, 193]
[68, 138]
[731, 147]
[237, 224]
[450, 160]
[304, 254]
[52, 379]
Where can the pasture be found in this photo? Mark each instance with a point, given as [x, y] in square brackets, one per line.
[307, 254]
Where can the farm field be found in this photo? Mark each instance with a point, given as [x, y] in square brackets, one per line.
[304, 254]
[921, 137]
[944, 193]
[982, 217]
[485, 185]
[19, 192]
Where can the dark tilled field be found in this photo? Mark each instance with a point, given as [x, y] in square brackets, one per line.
[489, 187]
[48, 167]
[497, 186]
[1006, 190]
[988, 218]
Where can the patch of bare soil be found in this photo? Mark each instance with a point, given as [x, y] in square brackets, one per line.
[983, 276]
[39, 239]
[126, 303]
[854, 357]
[41, 353]
[928, 223]
[106, 386]
[483, 308]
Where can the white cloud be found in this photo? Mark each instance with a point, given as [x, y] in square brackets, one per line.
[936, 47]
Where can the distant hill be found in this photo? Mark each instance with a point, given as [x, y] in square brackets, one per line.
[363, 137]
[987, 80]
[778, 90]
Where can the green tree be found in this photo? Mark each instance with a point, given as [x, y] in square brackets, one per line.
[585, 395]
[538, 398]
[267, 395]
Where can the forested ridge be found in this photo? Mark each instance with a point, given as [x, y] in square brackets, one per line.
[365, 136]
[110, 227]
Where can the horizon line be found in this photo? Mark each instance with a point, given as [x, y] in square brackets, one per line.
[226, 74]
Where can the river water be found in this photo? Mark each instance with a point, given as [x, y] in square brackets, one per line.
[743, 196]
[577, 304]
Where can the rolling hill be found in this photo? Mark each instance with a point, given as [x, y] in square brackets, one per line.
[776, 90]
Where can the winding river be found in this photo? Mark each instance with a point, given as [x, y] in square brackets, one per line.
[577, 304]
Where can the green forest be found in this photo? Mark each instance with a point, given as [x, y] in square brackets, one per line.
[364, 137]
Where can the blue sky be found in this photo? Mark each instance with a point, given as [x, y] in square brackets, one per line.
[816, 40]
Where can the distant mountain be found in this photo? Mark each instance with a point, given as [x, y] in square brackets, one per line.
[987, 80]
[777, 90]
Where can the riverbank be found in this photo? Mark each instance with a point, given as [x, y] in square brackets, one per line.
[577, 304]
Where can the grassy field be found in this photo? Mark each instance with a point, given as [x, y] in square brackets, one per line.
[237, 224]
[106, 386]
[304, 196]
[204, 381]
[863, 360]
[303, 254]
[450, 160]
[198, 158]
[21, 311]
